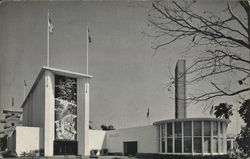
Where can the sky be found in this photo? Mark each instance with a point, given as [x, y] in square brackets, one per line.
[127, 78]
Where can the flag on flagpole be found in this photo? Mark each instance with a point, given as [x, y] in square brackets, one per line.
[212, 110]
[25, 84]
[89, 37]
[148, 113]
[51, 28]
[12, 101]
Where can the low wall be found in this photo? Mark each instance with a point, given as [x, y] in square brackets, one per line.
[97, 139]
[28, 139]
[145, 136]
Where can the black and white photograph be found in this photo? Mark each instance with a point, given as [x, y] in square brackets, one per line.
[120, 79]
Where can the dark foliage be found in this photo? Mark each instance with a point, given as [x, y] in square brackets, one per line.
[244, 112]
[3, 142]
[106, 128]
[9, 154]
[243, 139]
[223, 110]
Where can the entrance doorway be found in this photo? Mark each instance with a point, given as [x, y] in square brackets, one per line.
[130, 148]
[62, 147]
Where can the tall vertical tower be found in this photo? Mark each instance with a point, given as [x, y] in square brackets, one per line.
[180, 89]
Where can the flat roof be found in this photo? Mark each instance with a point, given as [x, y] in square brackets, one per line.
[65, 72]
[58, 72]
[191, 119]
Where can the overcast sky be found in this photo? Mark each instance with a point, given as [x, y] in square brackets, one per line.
[127, 80]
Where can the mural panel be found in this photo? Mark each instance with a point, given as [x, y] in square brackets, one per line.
[65, 108]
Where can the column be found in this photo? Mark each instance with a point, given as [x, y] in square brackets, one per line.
[49, 113]
[166, 138]
[202, 137]
[173, 137]
[219, 138]
[160, 138]
[182, 137]
[83, 116]
[192, 134]
[212, 137]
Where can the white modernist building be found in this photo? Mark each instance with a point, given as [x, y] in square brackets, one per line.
[56, 120]
[54, 104]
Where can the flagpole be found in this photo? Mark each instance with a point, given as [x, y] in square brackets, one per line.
[87, 56]
[148, 120]
[48, 39]
[24, 90]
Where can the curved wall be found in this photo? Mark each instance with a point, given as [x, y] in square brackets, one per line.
[206, 136]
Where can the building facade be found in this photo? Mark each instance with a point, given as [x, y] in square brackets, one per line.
[12, 118]
[56, 101]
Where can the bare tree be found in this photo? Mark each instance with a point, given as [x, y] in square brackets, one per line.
[223, 37]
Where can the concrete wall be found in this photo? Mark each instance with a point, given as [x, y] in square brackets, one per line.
[33, 110]
[97, 139]
[39, 109]
[146, 138]
[28, 139]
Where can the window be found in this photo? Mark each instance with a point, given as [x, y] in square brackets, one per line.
[187, 136]
[215, 138]
[178, 137]
[197, 145]
[163, 131]
[221, 129]
[163, 138]
[221, 145]
[228, 144]
[197, 128]
[178, 147]
[207, 145]
[215, 145]
[207, 128]
[188, 144]
[169, 137]
[197, 137]
[159, 136]
[207, 137]
[177, 129]
[187, 128]
[215, 129]
[170, 145]
[163, 145]
[169, 129]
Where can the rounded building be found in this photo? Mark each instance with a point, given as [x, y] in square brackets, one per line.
[196, 136]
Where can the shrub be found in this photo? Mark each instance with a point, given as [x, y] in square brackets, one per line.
[115, 154]
[104, 152]
[93, 152]
[9, 154]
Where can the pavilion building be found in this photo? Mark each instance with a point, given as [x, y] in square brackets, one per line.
[56, 120]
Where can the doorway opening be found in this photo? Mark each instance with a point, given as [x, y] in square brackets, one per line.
[65, 147]
[130, 148]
